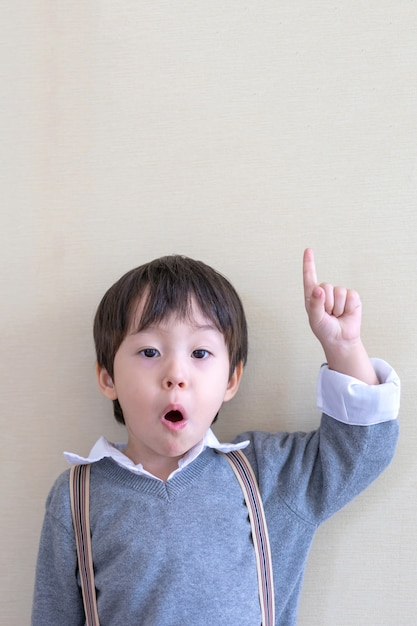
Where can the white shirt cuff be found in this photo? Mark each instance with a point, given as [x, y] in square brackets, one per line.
[352, 401]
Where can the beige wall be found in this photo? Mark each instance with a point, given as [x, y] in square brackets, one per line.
[238, 133]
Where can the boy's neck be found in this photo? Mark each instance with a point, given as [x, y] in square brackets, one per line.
[160, 467]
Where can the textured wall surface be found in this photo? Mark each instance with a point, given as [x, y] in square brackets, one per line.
[238, 133]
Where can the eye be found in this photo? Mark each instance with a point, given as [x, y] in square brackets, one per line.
[200, 354]
[149, 353]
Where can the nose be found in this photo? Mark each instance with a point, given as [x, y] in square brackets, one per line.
[174, 375]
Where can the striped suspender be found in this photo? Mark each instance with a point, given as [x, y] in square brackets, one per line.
[247, 480]
[80, 504]
[80, 509]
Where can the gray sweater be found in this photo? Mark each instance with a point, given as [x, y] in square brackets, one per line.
[180, 553]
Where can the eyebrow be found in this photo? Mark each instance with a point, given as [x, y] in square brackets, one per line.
[204, 326]
[194, 325]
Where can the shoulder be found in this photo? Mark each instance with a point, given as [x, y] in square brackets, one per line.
[269, 453]
[58, 501]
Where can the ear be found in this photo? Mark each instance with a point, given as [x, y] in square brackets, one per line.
[105, 383]
[234, 382]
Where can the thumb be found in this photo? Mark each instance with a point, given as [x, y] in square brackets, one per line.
[315, 306]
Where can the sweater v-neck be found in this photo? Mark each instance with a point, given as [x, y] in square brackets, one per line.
[169, 489]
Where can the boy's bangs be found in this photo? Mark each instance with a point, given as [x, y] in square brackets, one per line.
[160, 301]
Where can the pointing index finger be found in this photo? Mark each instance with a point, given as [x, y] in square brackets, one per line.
[309, 272]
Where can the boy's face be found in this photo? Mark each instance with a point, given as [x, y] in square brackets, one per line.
[171, 380]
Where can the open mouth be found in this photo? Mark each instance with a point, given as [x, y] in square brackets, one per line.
[174, 416]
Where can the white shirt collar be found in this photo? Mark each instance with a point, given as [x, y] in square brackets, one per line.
[103, 448]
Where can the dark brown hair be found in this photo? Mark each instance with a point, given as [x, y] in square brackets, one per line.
[168, 285]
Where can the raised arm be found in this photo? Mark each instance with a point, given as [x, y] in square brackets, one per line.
[335, 314]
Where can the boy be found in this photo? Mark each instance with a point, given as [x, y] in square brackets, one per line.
[171, 540]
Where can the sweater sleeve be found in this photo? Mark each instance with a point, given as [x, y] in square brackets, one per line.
[57, 597]
[315, 474]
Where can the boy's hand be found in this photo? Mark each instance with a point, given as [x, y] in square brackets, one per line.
[335, 315]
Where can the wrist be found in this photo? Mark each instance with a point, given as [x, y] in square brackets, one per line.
[351, 358]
